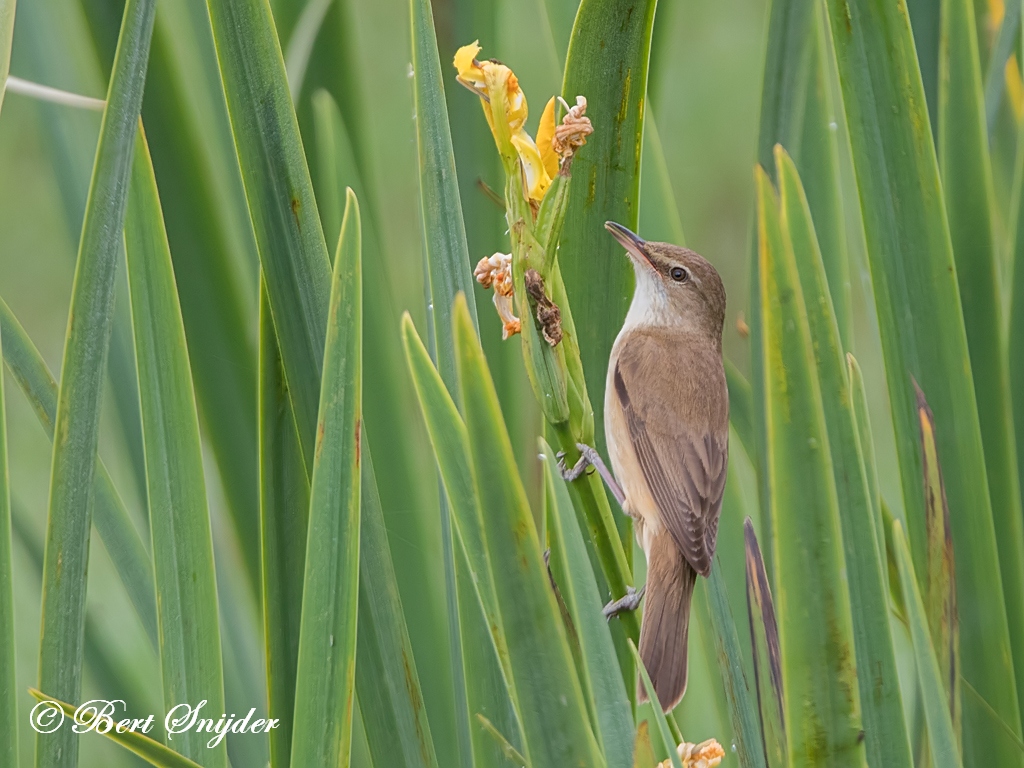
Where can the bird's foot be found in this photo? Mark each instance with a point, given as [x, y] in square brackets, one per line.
[589, 457]
[628, 602]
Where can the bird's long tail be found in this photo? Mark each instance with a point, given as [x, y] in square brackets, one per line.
[666, 620]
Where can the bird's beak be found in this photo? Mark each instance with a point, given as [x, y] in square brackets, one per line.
[632, 242]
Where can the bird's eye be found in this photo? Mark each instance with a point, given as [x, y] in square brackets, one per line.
[679, 274]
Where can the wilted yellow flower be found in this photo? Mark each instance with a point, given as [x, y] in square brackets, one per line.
[496, 272]
[707, 754]
[504, 105]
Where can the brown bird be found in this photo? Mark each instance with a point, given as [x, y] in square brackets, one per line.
[666, 415]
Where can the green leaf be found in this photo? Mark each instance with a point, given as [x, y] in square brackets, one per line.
[608, 58]
[6, 39]
[659, 715]
[214, 253]
[940, 575]
[970, 204]
[925, 17]
[823, 719]
[764, 641]
[390, 696]
[78, 404]
[8, 681]
[282, 208]
[153, 752]
[555, 724]
[602, 680]
[114, 525]
[796, 111]
[488, 693]
[444, 232]
[325, 677]
[886, 739]
[284, 519]
[918, 303]
[942, 741]
[190, 651]
[859, 398]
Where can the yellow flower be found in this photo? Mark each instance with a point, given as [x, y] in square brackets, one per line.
[504, 105]
[546, 138]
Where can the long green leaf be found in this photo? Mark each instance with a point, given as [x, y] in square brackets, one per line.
[919, 313]
[6, 39]
[214, 253]
[78, 404]
[659, 716]
[282, 208]
[796, 112]
[488, 692]
[444, 232]
[113, 524]
[859, 397]
[945, 751]
[284, 517]
[764, 641]
[8, 682]
[555, 724]
[604, 685]
[970, 204]
[153, 752]
[886, 739]
[608, 59]
[390, 696]
[823, 718]
[325, 677]
[190, 652]
[449, 273]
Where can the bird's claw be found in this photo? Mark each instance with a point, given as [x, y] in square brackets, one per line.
[578, 469]
[628, 602]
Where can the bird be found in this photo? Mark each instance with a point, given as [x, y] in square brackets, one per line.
[666, 417]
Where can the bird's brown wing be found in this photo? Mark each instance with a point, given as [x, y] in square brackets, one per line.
[678, 426]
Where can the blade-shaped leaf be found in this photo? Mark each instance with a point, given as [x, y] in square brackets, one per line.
[153, 752]
[918, 304]
[555, 725]
[945, 751]
[284, 517]
[8, 682]
[886, 740]
[607, 62]
[214, 253]
[604, 684]
[823, 718]
[78, 404]
[325, 677]
[449, 273]
[659, 715]
[190, 652]
[796, 112]
[764, 639]
[970, 204]
[114, 525]
[390, 696]
[282, 208]
[859, 397]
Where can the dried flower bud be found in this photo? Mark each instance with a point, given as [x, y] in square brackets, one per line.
[510, 323]
[572, 133]
[707, 754]
[549, 316]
